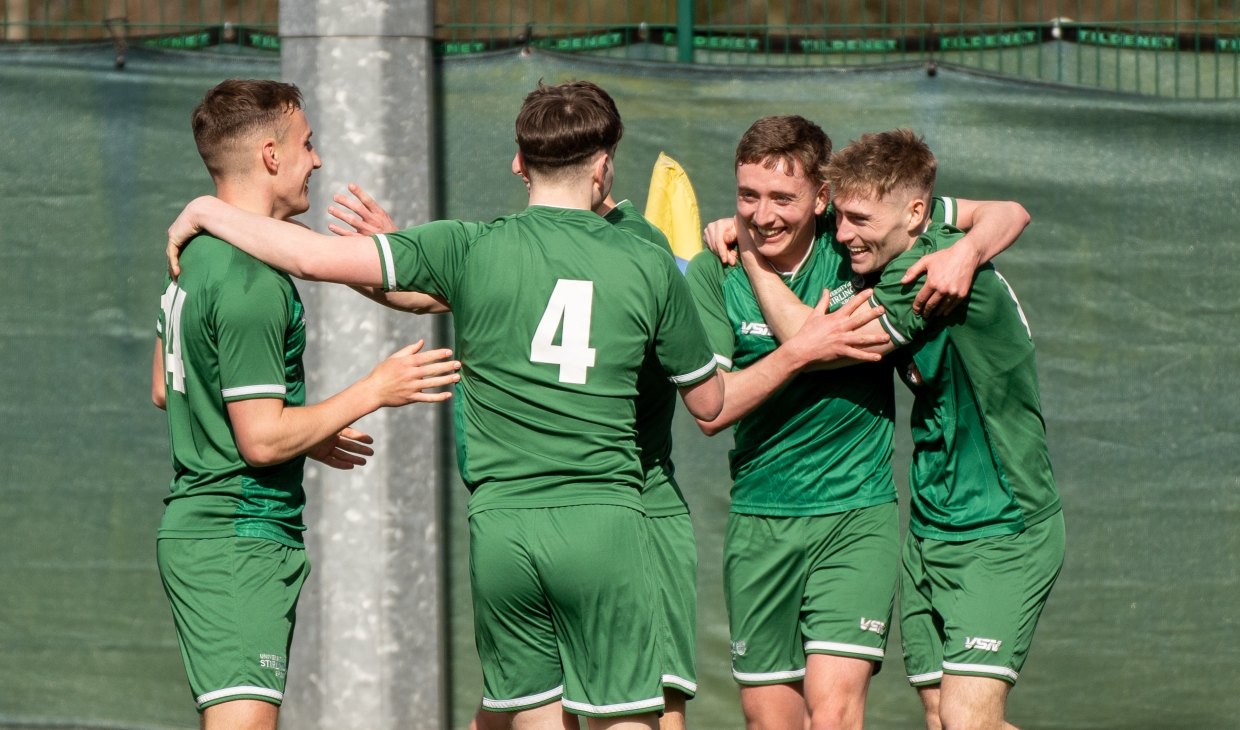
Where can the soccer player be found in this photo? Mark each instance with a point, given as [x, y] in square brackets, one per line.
[555, 310]
[672, 544]
[986, 533]
[228, 370]
[811, 550]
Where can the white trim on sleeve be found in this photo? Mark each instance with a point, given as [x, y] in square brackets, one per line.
[389, 266]
[270, 389]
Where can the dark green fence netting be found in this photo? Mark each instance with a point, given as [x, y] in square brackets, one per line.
[1127, 275]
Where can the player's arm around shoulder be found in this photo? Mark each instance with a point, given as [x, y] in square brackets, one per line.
[991, 227]
[269, 432]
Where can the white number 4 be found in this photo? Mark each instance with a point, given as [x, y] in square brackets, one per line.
[571, 303]
[171, 302]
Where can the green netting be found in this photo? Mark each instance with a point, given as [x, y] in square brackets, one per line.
[1126, 274]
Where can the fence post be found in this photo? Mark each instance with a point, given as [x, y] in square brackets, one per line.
[684, 31]
[369, 651]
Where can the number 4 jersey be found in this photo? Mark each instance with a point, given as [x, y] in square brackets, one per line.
[554, 311]
[232, 329]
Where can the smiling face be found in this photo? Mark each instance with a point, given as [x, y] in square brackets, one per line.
[297, 160]
[877, 229]
[779, 205]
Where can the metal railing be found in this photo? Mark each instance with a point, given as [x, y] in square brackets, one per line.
[1178, 48]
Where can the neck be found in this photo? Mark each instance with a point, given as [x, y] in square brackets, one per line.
[792, 257]
[573, 195]
[248, 197]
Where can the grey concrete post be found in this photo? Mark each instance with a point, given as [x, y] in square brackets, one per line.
[369, 647]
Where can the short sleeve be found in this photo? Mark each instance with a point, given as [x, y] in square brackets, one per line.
[680, 341]
[943, 210]
[251, 321]
[705, 279]
[426, 258]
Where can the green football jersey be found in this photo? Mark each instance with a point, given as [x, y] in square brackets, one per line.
[232, 329]
[554, 311]
[821, 444]
[980, 465]
[656, 397]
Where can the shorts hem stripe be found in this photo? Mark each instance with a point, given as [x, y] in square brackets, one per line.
[518, 703]
[927, 678]
[654, 704]
[686, 686]
[989, 669]
[768, 677]
[238, 691]
[835, 647]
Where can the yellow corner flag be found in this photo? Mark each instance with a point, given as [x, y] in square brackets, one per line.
[672, 207]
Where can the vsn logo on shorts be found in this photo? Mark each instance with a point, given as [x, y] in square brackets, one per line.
[977, 642]
[739, 648]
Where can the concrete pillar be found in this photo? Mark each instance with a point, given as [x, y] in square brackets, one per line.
[369, 651]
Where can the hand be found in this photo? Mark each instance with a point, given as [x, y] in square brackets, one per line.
[408, 374]
[179, 234]
[720, 237]
[949, 276]
[343, 450]
[368, 216]
[825, 338]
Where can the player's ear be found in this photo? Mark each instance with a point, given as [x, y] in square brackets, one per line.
[916, 211]
[271, 155]
[821, 198]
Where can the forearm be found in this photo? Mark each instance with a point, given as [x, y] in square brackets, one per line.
[288, 246]
[269, 433]
[992, 225]
[746, 389]
[405, 301]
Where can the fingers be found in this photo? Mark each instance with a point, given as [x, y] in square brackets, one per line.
[342, 231]
[408, 349]
[173, 252]
[918, 268]
[433, 358]
[362, 195]
[354, 435]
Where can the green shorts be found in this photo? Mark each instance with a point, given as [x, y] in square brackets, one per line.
[564, 608]
[674, 572]
[234, 602]
[808, 585]
[986, 630]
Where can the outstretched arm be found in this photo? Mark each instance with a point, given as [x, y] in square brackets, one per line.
[281, 244]
[992, 226]
[269, 433]
[365, 217]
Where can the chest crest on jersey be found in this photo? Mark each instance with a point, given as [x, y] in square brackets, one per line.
[844, 292]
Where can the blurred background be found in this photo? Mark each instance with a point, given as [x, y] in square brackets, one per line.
[1116, 124]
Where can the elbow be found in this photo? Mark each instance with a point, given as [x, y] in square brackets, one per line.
[712, 427]
[159, 397]
[258, 455]
[1019, 214]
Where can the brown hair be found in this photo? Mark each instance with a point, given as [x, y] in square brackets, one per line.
[881, 162]
[235, 109]
[563, 125]
[788, 138]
